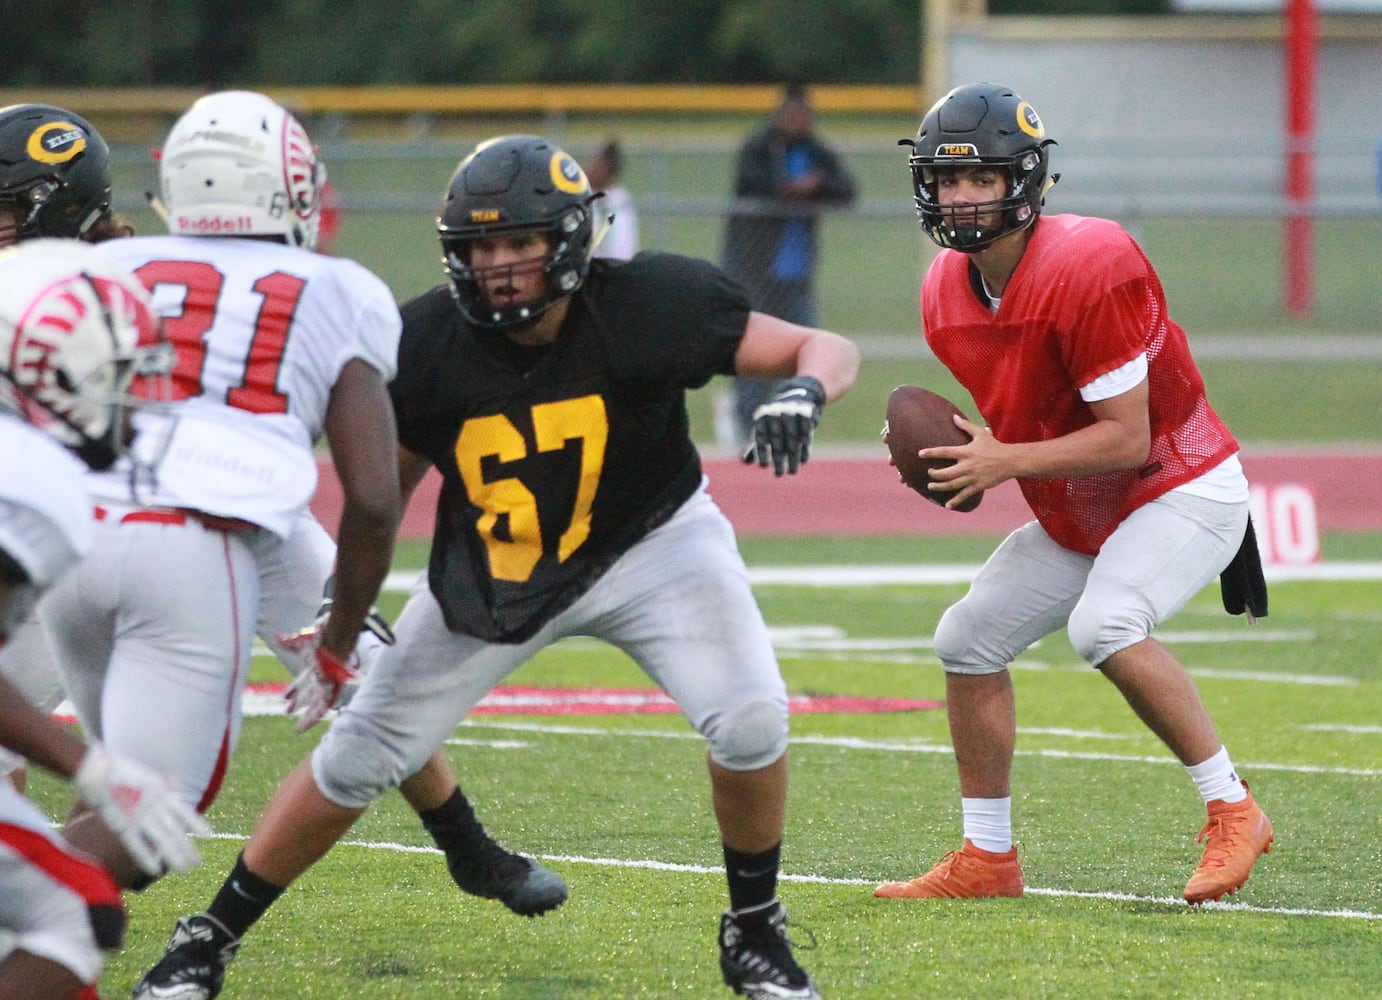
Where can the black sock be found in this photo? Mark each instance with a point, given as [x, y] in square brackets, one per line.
[243, 899]
[752, 879]
[453, 824]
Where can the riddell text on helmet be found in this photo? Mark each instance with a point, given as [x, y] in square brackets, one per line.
[221, 224]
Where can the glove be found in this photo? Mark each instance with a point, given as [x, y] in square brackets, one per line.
[375, 623]
[783, 426]
[1241, 584]
[142, 809]
[317, 689]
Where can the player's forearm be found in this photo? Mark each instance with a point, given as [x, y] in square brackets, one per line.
[364, 554]
[832, 360]
[28, 731]
[1104, 446]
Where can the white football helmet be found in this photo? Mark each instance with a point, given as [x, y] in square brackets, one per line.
[75, 332]
[238, 164]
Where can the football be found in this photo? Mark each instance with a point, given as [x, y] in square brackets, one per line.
[918, 418]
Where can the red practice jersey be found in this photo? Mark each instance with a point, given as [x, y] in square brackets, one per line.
[1083, 302]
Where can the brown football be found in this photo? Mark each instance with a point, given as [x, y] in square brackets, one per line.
[919, 418]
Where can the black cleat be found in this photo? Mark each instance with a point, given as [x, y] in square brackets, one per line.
[756, 959]
[485, 869]
[194, 965]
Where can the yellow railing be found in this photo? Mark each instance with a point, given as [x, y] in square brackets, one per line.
[544, 99]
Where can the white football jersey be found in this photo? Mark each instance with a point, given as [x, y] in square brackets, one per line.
[45, 514]
[262, 331]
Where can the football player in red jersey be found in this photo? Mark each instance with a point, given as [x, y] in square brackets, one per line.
[549, 392]
[1057, 326]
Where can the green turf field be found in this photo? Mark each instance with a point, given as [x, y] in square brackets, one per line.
[1107, 820]
[618, 804]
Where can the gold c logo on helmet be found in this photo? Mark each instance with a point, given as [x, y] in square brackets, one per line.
[1029, 121]
[56, 142]
[567, 174]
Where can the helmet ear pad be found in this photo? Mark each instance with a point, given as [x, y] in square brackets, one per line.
[511, 185]
[981, 124]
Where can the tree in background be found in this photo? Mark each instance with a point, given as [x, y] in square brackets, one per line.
[219, 43]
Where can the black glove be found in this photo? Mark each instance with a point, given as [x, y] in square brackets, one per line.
[1241, 584]
[783, 426]
[375, 623]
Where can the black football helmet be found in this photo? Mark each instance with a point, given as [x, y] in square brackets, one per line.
[55, 169]
[980, 123]
[516, 184]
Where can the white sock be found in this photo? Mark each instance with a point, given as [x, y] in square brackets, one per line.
[1216, 779]
[989, 823]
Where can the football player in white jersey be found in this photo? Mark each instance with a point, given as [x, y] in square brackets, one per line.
[71, 327]
[275, 345]
[54, 181]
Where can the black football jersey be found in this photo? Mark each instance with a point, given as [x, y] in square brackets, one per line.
[555, 460]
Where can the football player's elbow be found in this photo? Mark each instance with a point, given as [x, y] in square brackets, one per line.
[841, 363]
[375, 511]
[849, 366]
[1136, 448]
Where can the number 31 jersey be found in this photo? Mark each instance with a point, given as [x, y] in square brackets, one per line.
[556, 460]
[261, 332]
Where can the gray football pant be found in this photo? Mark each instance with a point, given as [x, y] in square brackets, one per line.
[1162, 555]
[678, 603]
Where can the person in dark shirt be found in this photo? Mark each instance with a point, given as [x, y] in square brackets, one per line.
[783, 176]
[549, 392]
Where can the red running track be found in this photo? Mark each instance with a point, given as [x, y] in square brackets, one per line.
[861, 496]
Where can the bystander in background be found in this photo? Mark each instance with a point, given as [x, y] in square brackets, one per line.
[783, 176]
[615, 209]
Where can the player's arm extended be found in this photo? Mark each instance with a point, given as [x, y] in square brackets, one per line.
[818, 366]
[136, 804]
[32, 733]
[774, 348]
[360, 428]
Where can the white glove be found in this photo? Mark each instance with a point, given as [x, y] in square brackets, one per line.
[317, 689]
[142, 809]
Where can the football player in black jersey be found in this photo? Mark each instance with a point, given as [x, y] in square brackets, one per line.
[549, 392]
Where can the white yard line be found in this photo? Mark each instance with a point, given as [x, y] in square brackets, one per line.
[647, 864]
[904, 745]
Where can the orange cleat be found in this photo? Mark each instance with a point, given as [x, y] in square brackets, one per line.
[1236, 835]
[969, 873]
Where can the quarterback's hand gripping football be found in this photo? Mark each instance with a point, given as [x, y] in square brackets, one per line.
[784, 425]
[142, 809]
[318, 688]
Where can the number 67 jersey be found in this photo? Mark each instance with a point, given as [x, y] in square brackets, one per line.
[261, 332]
[556, 460]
